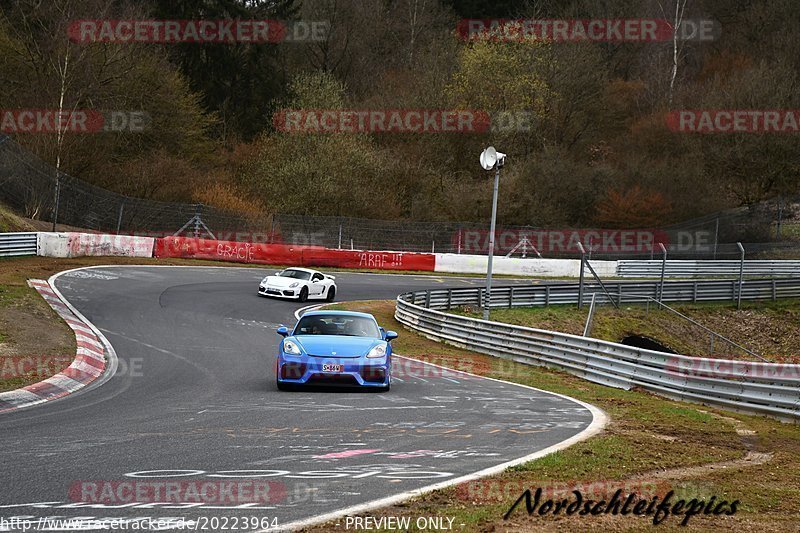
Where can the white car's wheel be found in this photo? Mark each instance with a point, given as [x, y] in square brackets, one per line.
[331, 294]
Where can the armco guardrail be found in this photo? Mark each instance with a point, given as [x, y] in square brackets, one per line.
[16, 244]
[694, 269]
[763, 388]
[620, 292]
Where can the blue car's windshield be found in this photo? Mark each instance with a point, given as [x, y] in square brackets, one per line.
[296, 274]
[355, 326]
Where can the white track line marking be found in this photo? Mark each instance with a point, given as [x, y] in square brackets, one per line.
[599, 420]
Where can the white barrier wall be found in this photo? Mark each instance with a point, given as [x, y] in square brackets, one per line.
[515, 266]
[90, 244]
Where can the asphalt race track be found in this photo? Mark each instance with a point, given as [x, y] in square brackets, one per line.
[194, 400]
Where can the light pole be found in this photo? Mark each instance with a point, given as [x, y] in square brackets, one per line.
[491, 159]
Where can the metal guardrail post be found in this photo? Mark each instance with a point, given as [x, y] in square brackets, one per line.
[587, 329]
[602, 285]
[741, 277]
[580, 282]
[196, 220]
[449, 298]
[663, 271]
[428, 298]
[510, 297]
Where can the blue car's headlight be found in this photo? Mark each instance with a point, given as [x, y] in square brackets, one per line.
[377, 351]
[290, 348]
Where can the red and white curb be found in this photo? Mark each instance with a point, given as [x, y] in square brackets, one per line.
[88, 365]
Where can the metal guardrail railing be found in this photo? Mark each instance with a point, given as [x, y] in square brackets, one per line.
[763, 388]
[620, 292]
[689, 269]
[16, 244]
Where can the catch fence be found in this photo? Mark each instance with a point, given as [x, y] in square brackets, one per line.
[39, 191]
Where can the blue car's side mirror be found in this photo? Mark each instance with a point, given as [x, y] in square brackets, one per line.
[283, 331]
[391, 335]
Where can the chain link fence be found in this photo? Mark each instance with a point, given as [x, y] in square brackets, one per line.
[712, 237]
[34, 188]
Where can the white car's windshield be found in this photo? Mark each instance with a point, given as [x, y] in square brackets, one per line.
[296, 274]
[354, 326]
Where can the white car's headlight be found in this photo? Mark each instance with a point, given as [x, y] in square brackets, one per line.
[295, 284]
[377, 351]
[290, 348]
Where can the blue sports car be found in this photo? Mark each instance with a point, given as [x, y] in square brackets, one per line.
[335, 348]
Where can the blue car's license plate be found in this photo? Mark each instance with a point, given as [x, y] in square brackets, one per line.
[332, 368]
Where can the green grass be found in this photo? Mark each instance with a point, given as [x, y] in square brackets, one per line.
[23, 312]
[14, 295]
[771, 329]
[790, 231]
[9, 222]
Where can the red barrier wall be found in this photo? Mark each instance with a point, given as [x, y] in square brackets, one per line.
[288, 255]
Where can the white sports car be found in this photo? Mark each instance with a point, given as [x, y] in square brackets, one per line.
[300, 284]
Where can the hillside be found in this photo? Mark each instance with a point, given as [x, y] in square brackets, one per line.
[590, 128]
[10, 222]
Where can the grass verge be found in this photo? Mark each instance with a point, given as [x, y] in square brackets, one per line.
[10, 222]
[34, 342]
[771, 329]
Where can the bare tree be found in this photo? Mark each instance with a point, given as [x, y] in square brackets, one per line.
[677, 18]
